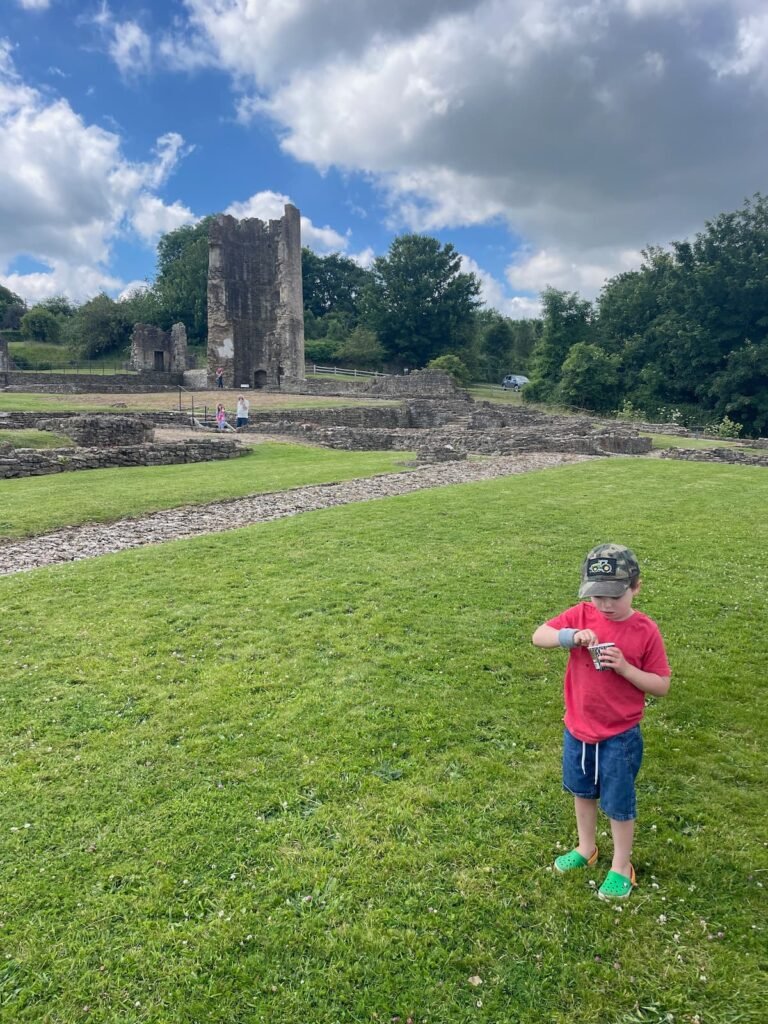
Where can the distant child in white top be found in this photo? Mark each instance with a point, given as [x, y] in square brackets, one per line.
[243, 408]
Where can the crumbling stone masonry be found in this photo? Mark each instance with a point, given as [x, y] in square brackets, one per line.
[255, 301]
[5, 361]
[103, 431]
[157, 350]
[21, 462]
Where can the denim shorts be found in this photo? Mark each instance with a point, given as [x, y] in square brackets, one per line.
[605, 770]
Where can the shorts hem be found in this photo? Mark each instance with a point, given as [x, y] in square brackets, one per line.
[582, 796]
[618, 817]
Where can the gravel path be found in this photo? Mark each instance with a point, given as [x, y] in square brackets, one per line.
[78, 542]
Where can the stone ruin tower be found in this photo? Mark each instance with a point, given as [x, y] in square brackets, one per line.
[255, 300]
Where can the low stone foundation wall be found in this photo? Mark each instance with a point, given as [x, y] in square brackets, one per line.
[104, 431]
[60, 421]
[476, 442]
[419, 384]
[416, 414]
[82, 383]
[21, 462]
[731, 456]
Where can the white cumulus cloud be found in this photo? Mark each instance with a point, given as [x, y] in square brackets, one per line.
[268, 205]
[67, 190]
[590, 128]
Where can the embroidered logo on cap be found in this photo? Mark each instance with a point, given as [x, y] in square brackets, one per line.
[602, 567]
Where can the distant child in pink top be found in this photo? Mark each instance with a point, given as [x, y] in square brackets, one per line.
[603, 746]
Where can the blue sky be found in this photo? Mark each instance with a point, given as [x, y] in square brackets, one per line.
[549, 141]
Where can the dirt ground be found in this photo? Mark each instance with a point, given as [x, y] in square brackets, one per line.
[169, 401]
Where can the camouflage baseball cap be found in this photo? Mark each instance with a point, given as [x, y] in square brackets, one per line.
[608, 570]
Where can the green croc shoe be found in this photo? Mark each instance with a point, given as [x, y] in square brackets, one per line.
[616, 886]
[571, 861]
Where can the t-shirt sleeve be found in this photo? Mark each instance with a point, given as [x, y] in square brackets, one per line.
[569, 619]
[655, 655]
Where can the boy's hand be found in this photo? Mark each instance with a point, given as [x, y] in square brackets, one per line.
[585, 638]
[613, 658]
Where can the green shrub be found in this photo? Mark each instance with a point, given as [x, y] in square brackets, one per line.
[454, 366]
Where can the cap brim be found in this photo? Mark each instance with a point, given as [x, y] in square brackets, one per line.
[604, 588]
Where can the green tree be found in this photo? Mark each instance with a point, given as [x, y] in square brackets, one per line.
[568, 320]
[452, 365]
[679, 322]
[332, 284]
[590, 379]
[181, 286]
[59, 305]
[419, 302]
[361, 349]
[143, 306]
[41, 325]
[101, 326]
[12, 309]
[740, 391]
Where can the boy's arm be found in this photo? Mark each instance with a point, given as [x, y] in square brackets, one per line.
[648, 682]
[548, 637]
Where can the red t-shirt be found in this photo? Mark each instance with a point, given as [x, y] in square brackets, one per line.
[602, 704]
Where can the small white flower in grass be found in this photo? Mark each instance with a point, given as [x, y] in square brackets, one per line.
[475, 980]
[233, 876]
[654, 885]
[702, 977]
[592, 883]
[653, 828]
[662, 918]
[479, 1003]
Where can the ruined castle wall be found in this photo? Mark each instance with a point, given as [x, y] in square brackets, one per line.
[155, 350]
[5, 361]
[255, 302]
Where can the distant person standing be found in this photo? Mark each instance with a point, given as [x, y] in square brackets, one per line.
[243, 409]
[221, 417]
[220, 377]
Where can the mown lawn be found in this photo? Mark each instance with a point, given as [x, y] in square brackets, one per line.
[308, 771]
[34, 505]
[34, 439]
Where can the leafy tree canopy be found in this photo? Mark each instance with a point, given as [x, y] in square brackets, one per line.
[101, 326]
[12, 308]
[40, 324]
[181, 286]
[419, 302]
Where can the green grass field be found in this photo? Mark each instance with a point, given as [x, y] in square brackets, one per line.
[34, 439]
[39, 504]
[61, 358]
[308, 771]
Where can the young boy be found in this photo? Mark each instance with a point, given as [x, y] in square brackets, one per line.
[603, 746]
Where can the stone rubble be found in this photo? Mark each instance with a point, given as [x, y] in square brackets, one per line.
[76, 543]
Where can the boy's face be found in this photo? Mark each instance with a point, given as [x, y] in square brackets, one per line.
[616, 609]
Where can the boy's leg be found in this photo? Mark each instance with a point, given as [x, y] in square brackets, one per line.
[623, 833]
[586, 825]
